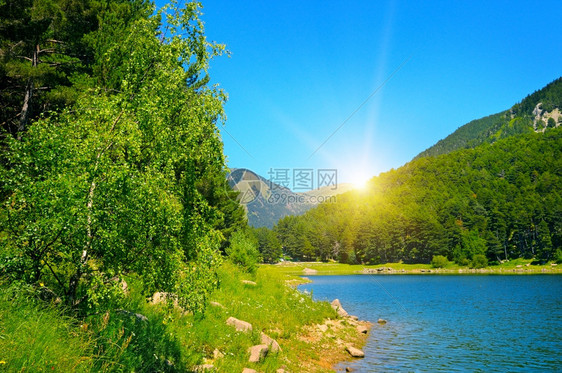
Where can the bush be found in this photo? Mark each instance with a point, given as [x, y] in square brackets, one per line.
[479, 261]
[439, 261]
[243, 250]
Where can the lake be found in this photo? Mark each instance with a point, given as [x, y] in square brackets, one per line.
[452, 323]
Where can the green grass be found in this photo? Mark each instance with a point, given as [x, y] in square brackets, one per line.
[270, 306]
[39, 337]
[36, 337]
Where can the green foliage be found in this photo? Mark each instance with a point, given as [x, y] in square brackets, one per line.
[499, 200]
[517, 120]
[549, 97]
[117, 183]
[243, 250]
[558, 256]
[439, 261]
[49, 52]
[479, 261]
[268, 244]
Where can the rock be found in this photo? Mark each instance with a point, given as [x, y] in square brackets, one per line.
[270, 342]
[124, 286]
[163, 297]
[239, 325]
[309, 271]
[138, 316]
[336, 305]
[258, 353]
[349, 369]
[355, 318]
[248, 370]
[381, 321]
[323, 328]
[203, 367]
[355, 352]
[248, 282]
[362, 329]
[216, 304]
[217, 354]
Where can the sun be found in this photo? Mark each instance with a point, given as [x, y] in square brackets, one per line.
[360, 182]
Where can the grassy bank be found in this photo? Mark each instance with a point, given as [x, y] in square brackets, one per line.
[518, 266]
[139, 336]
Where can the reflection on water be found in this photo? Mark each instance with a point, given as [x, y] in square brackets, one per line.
[453, 323]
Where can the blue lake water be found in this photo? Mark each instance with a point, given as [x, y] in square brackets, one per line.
[453, 323]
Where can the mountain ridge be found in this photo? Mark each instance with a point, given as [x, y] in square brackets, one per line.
[266, 202]
[531, 114]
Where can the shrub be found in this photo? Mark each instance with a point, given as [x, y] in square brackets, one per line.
[479, 261]
[439, 261]
[243, 250]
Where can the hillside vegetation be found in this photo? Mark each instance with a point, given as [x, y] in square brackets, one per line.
[494, 202]
[536, 112]
[143, 337]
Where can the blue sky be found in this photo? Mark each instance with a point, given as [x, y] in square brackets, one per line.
[299, 69]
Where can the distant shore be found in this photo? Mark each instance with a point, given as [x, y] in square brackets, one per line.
[514, 267]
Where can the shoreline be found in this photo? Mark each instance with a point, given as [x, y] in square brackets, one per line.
[327, 269]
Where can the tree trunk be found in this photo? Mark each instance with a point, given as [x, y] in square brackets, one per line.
[28, 99]
[75, 279]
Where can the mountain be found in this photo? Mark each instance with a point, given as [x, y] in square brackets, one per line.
[499, 201]
[489, 192]
[266, 201]
[535, 112]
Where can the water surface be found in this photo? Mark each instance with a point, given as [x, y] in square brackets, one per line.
[454, 323]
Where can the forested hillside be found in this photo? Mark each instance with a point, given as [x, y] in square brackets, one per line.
[499, 200]
[536, 112]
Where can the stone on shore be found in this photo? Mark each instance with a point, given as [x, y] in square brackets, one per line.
[270, 342]
[381, 321]
[309, 271]
[362, 329]
[336, 305]
[323, 328]
[239, 325]
[258, 353]
[355, 352]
